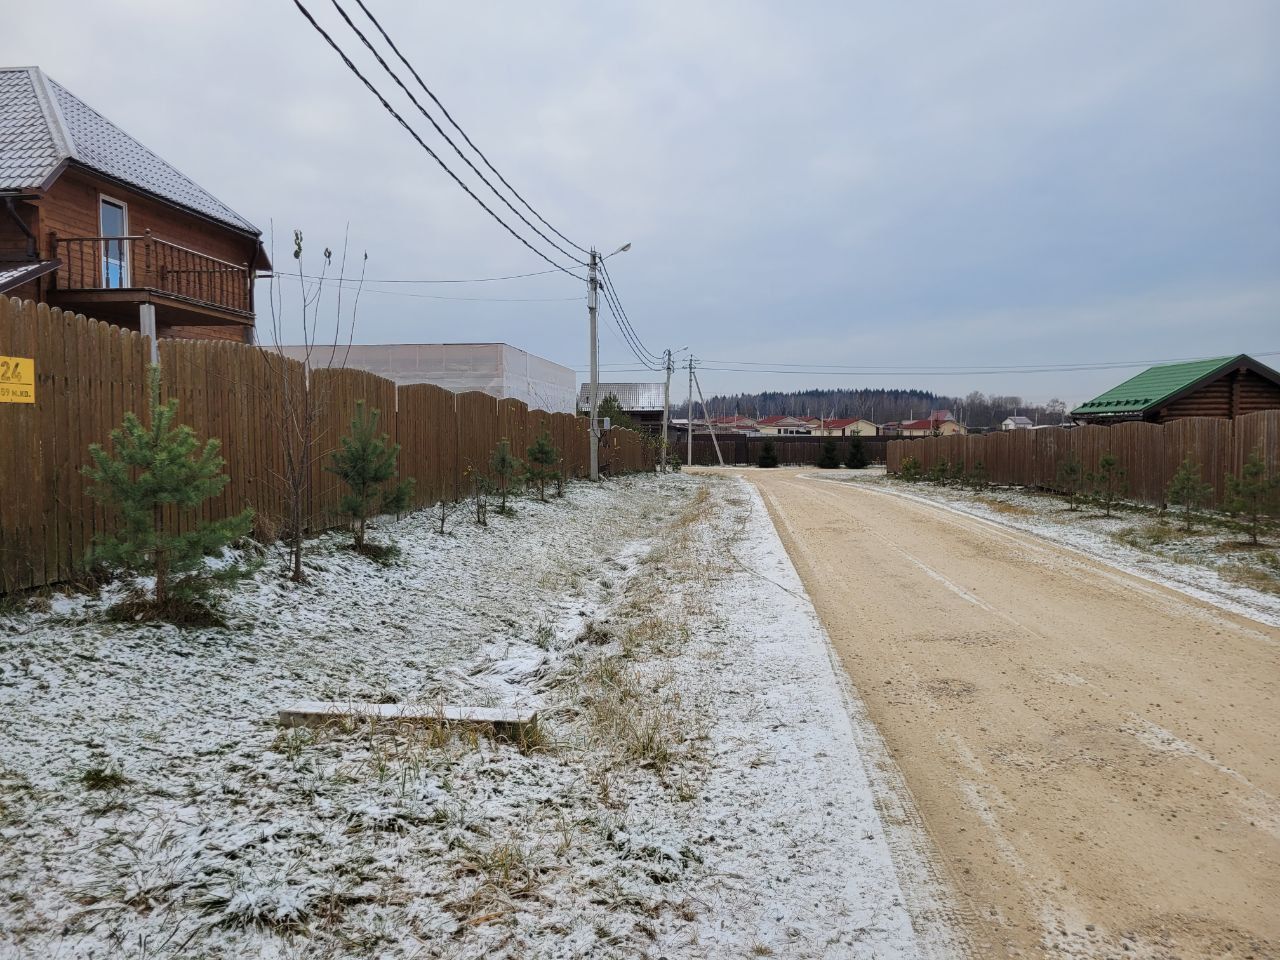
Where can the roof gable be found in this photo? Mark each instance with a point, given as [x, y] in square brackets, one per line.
[1154, 386]
[43, 126]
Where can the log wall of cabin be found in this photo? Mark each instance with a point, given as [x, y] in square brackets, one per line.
[1234, 394]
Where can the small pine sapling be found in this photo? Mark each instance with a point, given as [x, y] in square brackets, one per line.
[480, 487]
[560, 478]
[938, 472]
[768, 454]
[910, 469]
[151, 468]
[1071, 480]
[856, 459]
[1109, 482]
[541, 465]
[828, 458]
[366, 463]
[956, 473]
[505, 468]
[978, 476]
[1188, 491]
[1252, 495]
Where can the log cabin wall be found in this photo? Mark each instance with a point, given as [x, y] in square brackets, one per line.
[1234, 394]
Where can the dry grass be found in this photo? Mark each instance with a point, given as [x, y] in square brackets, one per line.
[1009, 509]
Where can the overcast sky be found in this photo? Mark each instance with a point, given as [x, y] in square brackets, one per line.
[808, 183]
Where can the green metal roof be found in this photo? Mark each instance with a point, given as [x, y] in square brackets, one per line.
[1153, 386]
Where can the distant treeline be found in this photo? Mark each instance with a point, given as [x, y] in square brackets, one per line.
[880, 405]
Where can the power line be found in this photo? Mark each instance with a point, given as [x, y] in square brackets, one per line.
[514, 276]
[430, 119]
[454, 123]
[779, 367]
[611, 289]
[422, 143]
[634, 346]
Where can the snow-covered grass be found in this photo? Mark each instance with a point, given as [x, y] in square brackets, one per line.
[1215, 562]
[695, 788]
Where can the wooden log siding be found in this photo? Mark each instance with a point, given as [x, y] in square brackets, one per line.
[89, 373]
[1150, 453]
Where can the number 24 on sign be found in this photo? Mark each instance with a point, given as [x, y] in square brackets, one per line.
[17, 380]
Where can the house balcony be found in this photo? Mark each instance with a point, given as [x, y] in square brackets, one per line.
[110, 277]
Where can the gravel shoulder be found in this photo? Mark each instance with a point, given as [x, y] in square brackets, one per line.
[1094, 754]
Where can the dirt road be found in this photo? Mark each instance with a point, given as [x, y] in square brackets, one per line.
[1095, 757]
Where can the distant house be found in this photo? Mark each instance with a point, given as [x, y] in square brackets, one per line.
[734, 424]
[1016, 423]
[842, 427]
[938, 423]
[784, 426]
[94, 222]
[642, 402]
[1221, 387]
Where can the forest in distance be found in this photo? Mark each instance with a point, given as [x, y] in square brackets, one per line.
[976, 410]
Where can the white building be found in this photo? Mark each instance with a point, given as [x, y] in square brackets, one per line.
[1016, 423]
[497, 369]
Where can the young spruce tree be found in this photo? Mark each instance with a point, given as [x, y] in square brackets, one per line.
[768, 454]
[1109, 482]
[366, 463]
[541, 465]
[1187, 491]
[505, 468]
[828, 459]
[857, 456]
[1070, 480]
[1253, 495]
[150, 468]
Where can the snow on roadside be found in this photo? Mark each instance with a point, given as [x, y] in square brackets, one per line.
[1190, 565]
[697, 791]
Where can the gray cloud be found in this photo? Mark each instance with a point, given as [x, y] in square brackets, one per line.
[809, 182]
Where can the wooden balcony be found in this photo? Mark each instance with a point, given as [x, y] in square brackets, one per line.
[109, 276]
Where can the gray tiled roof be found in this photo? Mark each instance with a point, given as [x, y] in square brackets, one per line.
[42, 124]
[13, 274]
[631, 396]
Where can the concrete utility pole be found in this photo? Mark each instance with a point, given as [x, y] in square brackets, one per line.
[707, 416]
[593, 288]
[689, 420]
[669, 365]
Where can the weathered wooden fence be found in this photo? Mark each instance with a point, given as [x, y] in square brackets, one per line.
[1150, 453]
[88, 374]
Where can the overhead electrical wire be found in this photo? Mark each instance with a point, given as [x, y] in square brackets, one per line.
[780, 367]
[422, 143]
[454, 123]
[514, 276]
[440, 130]
[609, 286]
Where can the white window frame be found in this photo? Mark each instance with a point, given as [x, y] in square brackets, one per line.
[126, 268]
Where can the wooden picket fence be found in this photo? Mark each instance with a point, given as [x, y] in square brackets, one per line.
[89, 374]
[1150, 453]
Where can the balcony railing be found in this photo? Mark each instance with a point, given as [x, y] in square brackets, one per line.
[149, 263]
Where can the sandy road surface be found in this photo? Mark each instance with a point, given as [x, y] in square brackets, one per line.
[1096, 757]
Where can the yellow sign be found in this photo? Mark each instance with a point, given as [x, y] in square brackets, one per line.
[17, 380]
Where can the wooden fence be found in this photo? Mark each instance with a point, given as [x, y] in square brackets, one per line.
[1150, 453]
[738, 449]
[88, 374]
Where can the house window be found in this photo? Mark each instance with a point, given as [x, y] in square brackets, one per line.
[113, 223]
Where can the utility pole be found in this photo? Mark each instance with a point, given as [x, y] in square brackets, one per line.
[690, 420]
[669, 365]
[707, 416]
[593, 287]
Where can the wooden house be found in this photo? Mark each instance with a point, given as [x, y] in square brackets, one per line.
[92, 221]
[1221, 387]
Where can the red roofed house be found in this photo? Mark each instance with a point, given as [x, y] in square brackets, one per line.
[843, 427]
[784, 426]
[938, 423]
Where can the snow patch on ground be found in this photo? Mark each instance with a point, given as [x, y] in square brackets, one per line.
[150, 806]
